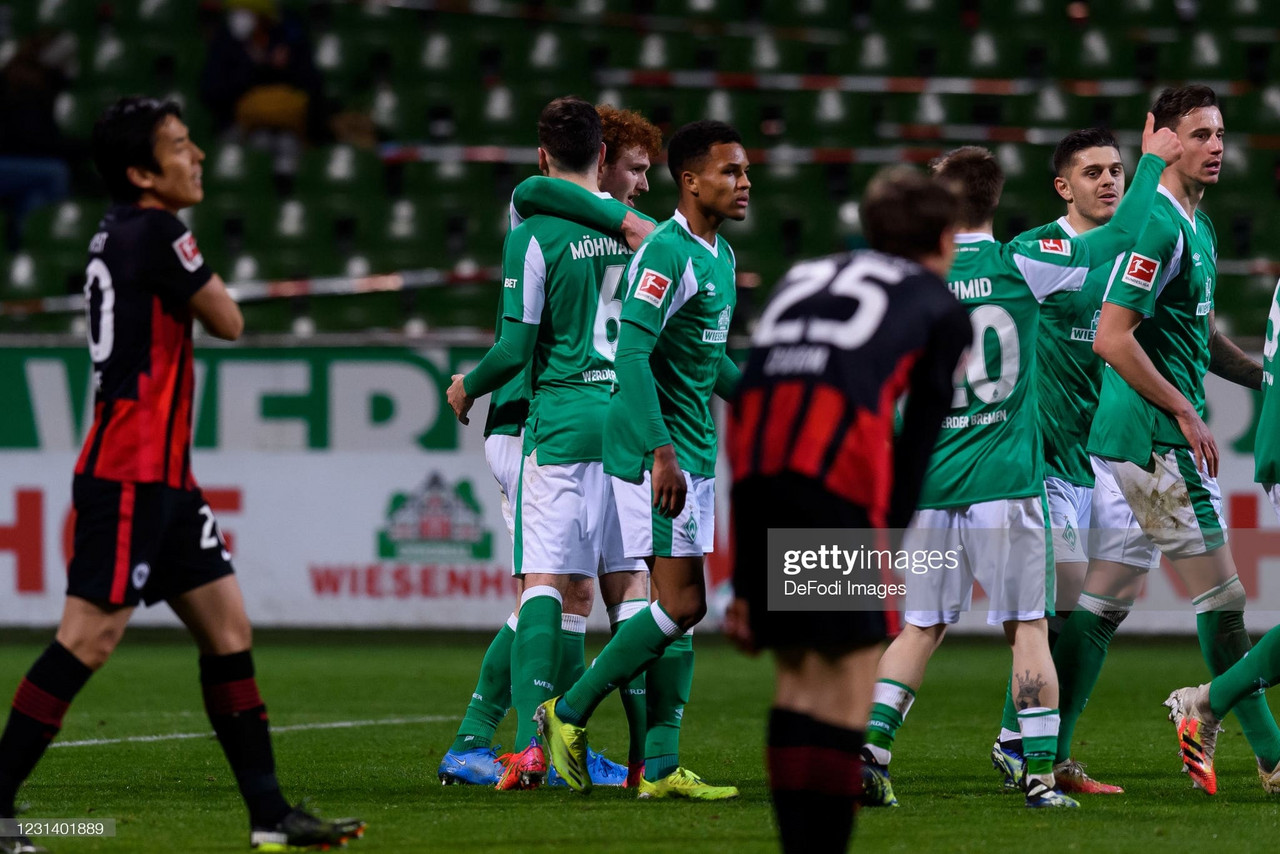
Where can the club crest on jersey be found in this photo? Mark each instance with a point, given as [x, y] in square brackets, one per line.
[1056, 246]
[140, 574]
[1079, 334]
[720, 334]
[188, 252]
[1141, 271]
[653, 287]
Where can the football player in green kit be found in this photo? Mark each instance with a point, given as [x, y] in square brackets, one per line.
[661, 448]
[1197, 712]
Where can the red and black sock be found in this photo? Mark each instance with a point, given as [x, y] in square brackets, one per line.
[239, 719]
[815, 777]
[38, 706]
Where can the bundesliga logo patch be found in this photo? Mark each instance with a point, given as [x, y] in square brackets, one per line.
[652, 287]
[188, 252]
[1057, 246]
[1141, 271]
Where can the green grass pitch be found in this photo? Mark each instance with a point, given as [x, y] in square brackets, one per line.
[178, 795]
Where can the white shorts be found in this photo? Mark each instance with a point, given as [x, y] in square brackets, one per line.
[1114, 533]
[504, 455]
[567, 522]
[1003, 545]
[1069, 510]
[1177, 506]
[1273, 492]
[647, 533]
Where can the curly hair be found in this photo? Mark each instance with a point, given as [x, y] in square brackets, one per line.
[626, 129]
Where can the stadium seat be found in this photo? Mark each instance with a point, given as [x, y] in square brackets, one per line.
[880, 50]
[359, 311]
[830, 118]
[342, 170]
[66, 226]
[77, 109]
[1093, 53]
[237, 168]
[267, 317]
[160, 16]
[32, 15]
[45, 271]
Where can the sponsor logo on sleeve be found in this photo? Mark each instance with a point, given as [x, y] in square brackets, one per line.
[1056, 246]
[653, 287]
[188, 253]
[1141, 271]
[508, 283]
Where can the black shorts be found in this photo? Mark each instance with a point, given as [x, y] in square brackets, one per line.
[142, 542]
[792, 501]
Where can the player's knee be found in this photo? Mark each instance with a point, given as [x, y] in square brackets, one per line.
[228, 638]
[579, 597]
[92, 647]
[686, 609]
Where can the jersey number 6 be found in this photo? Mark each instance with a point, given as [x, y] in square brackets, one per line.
[608, 312]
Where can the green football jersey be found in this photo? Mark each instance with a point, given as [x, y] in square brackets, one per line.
[564, 278]
[509, 405]
[1068, 371]
[683, 290]
[1169, 278]
[1266, 447]
[989, 448]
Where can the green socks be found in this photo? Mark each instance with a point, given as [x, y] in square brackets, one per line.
[636, 645]
[535, 658]
[1039, 727]
[1079, 655]
[632, 694]
[1223, 642]
[573, 651]
[492, 696]
[1257, 671]
[890, 702]
[669, 681]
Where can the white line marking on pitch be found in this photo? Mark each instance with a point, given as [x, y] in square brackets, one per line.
[179, 736]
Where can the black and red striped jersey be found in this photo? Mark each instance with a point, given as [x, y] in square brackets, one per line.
[842, 339]
[144, 267]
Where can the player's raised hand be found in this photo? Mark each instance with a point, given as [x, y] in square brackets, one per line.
[635, 229]
[1201, 440]
[667, 482]
[1163, 143]
[459, 401]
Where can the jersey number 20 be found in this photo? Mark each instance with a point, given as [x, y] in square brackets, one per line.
[102, 337]
[986, 388]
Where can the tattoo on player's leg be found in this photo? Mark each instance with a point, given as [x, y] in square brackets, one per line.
[1029, 688]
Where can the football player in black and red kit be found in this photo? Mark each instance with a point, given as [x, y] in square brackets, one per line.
[143, 531]
[812, 445]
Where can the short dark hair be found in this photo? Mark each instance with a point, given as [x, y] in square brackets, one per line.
[1077, 141]
[569, 131]
[904, 212]
[124, 136]
[1174, 103]
[693, 141]
[971, 172]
